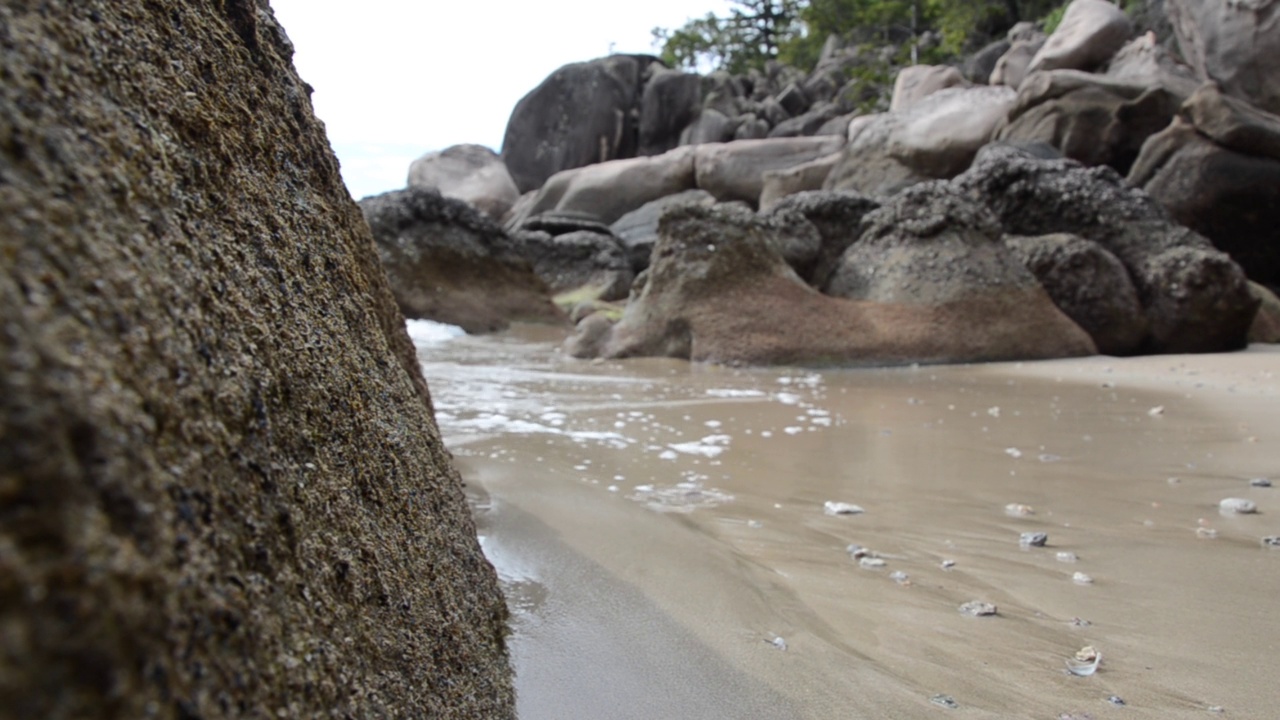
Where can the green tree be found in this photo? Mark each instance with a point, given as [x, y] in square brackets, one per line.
[748, 37]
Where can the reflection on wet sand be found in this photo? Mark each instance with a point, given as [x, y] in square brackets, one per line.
[662, 533]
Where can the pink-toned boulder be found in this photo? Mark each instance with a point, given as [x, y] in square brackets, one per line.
[735, 171]
[606, 191]
[471, 173]
[917, 82]
[1091, 32]
[778, 184]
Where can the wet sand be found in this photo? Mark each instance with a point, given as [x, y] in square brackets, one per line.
[657, 526]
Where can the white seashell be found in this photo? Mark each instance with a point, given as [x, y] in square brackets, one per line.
[871, 563]
[1067, 557]
[1018, 510]
[1081, 579]
[1237, 506]
[1085, 663]
[1033, 539]
[978, 608]
[857, 551]
[778, 642]
[831, 507]
[948, 564]
[1013, 452]
[1206, 533]
[1156, 411]
[900, 577]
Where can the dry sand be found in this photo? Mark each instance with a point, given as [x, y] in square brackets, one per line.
[661, 602]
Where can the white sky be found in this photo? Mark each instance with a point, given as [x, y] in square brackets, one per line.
[397, 78]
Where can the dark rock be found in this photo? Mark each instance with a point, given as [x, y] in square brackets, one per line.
[1230, 197]
[671, 101]
[1088, 118]
[773, 112]
[638, 229]
[793, 99]
[1195, 298]
[447, 262]
[1266, 326]
[587, 264]
[563, 223]
[223, 493]
[1089, 284]
[837, 216]
[582, 113]
[751, 128]
[978, 67]
[806, 124]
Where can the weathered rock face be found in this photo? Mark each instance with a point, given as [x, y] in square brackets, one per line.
[589, 264]
[778, 184]
[735, 171]
[638, 229]
[1217, 171]
[670, 102]
[1194, 297]
[447, 262]
[1233, 43]
[1088, 117]
[1089, 284]
[471, 173]
[1145, 62]
[1091, 32]
[917, 82]
[837, 216]
[582, 113]
[718, 291]
[222, 488]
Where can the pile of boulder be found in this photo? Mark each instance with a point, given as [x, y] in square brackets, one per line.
[1087, 177]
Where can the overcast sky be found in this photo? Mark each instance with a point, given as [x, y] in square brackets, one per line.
[394, 79]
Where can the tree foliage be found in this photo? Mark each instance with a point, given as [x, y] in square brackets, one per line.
[795, 30]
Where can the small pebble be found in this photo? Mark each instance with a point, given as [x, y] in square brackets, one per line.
[1260, 482]
[1067, 557]
[1018, 510]
[900, 577]
[1237, 506]
[754, 524]
[831, 507]
[978, 608]
[1271, 541]
[945, 701]
[1080, 622]
[1206, 533]
[948, 564]
[1156, 411]
[871, 563]
[1013, 452]
[1116, 700]
[778, 642]
[1216, 709]
[1081, 579]
[1033, 539]
[857, 551]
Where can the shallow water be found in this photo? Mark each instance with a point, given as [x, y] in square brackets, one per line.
[660, 533]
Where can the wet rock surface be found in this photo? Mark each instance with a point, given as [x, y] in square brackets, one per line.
[223, 492]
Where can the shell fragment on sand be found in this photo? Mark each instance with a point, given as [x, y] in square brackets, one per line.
[1237, 506]
[832, 507]
[978, 608]
[1033, 539]
[1086, 661]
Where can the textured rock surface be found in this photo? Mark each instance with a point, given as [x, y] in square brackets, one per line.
[590, 264]
[1233, 43]
[837, 216]
[471, 173]
[718, 291]
[447, 262]
[670, 101]
[735, 171]
[1088, 117]
[606, 191]
[1089, 284]
[222, 491]
[1194, 297]
[638, 229]
[917, 82]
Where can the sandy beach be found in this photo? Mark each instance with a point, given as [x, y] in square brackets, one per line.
[660, 532]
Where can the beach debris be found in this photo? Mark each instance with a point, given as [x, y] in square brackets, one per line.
[1018, 510]
[871, 563]
[1156, 411]
[1216, 709]
[978, 608]
[948, 564]
[1067, 556]
[1085, 662]
[1260, 482]
[1237, 506]
[1033, 539]
[1080, 578]
[754, 524]
[778, 642]
[832, 507]
[1205, 532]
[1116, 700]
[1013, 452]
[858, 552]
[1080, 622]
[994, 411]
[945, 701]
[1074, 716]
[1174, 480]
[1271, 541]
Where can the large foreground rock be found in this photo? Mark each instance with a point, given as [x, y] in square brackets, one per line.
[222, 490]
[719, 291]
[1194, 297]
[447, 262]
[471, 173]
